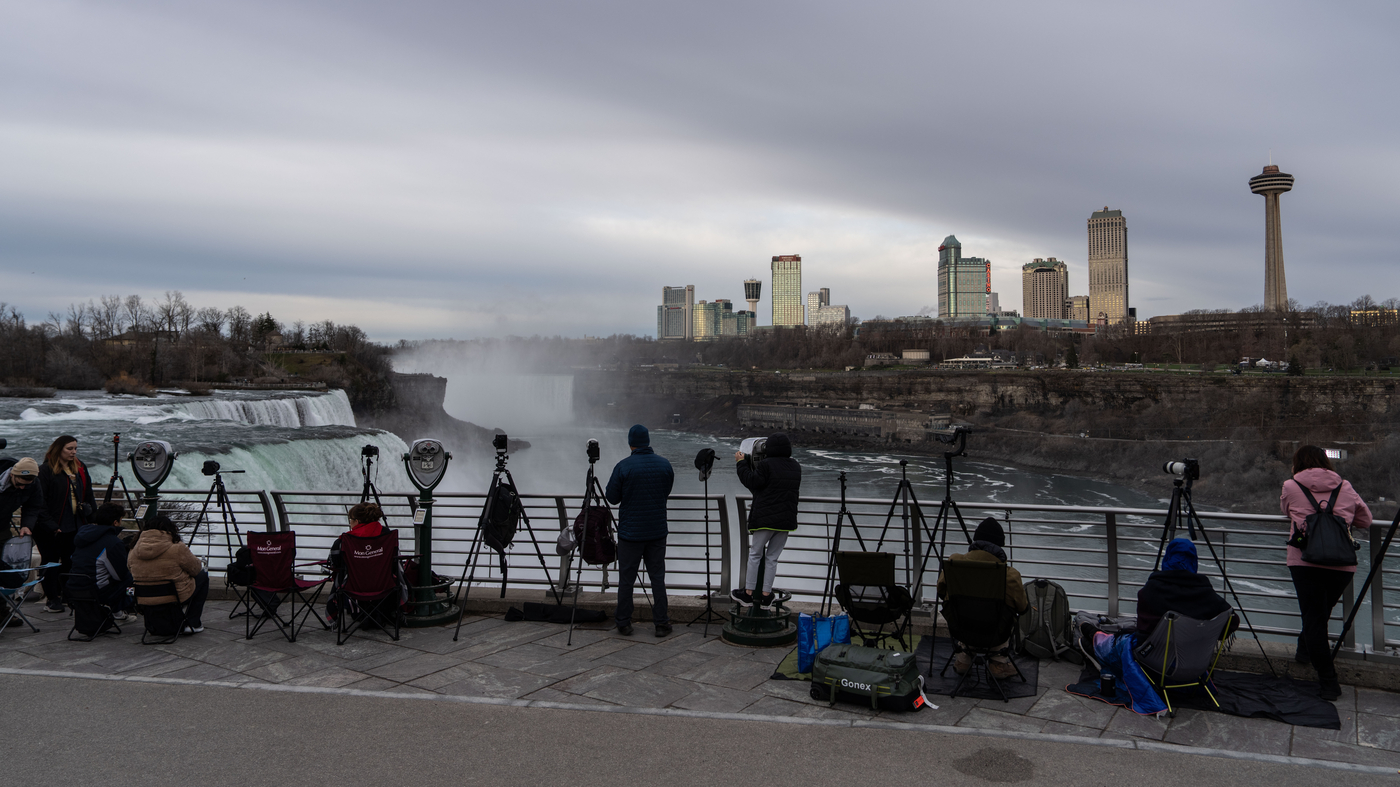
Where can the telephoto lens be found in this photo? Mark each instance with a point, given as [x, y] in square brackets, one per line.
[1174, 468]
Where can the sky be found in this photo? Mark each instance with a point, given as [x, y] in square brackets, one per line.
[463, 170]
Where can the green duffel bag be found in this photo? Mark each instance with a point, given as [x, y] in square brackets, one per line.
[887, 679]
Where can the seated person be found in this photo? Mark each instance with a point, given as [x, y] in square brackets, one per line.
[100, 561]
[364, 523]
[988, 543]
[1177, 588]
[159, 556]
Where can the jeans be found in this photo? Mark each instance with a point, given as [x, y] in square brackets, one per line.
[1318, 591]
[630, 555]
[194, 606]
[764, 547]
[55, 547]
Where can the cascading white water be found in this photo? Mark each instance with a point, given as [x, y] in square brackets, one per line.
[332, 409]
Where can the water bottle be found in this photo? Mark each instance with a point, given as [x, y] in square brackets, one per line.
[1108, 684]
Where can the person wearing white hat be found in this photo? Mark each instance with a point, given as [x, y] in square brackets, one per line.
[19, 491]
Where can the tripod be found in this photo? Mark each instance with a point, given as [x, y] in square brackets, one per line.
[709, 615]
[842, 514]
[592, 495]
[117, 476]
[1180, 506]
[500, 478]
[1365, 586]
[368, 453]
[219, 496]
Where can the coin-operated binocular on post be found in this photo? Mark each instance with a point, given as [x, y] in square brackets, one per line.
[426, 463]
[151, 461]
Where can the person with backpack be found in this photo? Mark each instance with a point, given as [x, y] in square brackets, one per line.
[988, 546]
[100, 561]
[1317, 493]
[639, 486]
[775, 482]
[68, 500]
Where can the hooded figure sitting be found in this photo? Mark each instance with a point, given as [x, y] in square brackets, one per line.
[988, 543]
[1177, 588]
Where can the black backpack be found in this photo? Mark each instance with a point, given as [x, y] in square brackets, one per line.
[498, 523]
[240, 571]
[1327, 540]
[597, 546]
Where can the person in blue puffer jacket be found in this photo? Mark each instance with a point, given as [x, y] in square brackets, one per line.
[639, 487]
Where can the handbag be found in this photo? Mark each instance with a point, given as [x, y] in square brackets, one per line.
[1327, 540]
[814, 634]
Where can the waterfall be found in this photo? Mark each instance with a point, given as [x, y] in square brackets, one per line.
[331, 409]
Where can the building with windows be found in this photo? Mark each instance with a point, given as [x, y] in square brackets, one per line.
[821, 312]
[1108, 265]
[963, 282]
[673, 316]
[1079, 308]
[1044, 289]
[787, 290]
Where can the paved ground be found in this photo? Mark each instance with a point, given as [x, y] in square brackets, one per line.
[682, 676]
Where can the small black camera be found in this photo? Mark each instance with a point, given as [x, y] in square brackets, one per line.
[593, 451]
[1188, 468]
[369, 450]
[210, 467]
[499, 442]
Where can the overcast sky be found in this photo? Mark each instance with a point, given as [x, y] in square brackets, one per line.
[444, 169]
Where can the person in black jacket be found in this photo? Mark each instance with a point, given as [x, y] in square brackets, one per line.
[774, 482]
[68, 500]
[99, 561]
[639, 487]
[20, 491]
[1177, 588]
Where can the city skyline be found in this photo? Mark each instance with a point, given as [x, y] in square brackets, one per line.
[475, 170]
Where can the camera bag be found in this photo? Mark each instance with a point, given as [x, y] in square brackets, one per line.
[886, 679]
[240, 571]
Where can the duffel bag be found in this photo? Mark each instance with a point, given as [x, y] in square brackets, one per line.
[886, 679]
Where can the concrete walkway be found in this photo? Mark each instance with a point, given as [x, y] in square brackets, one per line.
[684, 675]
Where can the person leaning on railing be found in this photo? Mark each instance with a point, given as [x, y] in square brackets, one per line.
[1318, 588]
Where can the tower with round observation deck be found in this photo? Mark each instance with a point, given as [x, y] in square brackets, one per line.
[1271, 183]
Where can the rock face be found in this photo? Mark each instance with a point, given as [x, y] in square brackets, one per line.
[419, 413]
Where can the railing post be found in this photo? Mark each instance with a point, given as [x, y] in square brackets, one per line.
[722, 503]
[1348, 598]
[269, 519]
[742, 537]
[282, 519]
[1377, 594]
[1111, 528]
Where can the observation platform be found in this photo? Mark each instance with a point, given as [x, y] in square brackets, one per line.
[685, 675]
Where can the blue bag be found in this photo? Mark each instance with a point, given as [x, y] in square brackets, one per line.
[814, 634]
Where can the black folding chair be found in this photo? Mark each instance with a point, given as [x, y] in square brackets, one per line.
[366, 589]
[1182, 652]
[91, 617]
[979, 620]
[164, 615]
[871, 595]
[276, 584]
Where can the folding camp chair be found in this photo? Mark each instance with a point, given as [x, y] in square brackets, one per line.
[276, 583]
[91, 617]
[871, 595]
[159, 603]
[980, 622]
[13, 597]
[366, 589]
[1182, 652]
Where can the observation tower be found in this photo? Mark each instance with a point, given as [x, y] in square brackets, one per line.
[752, 287]
[1271, 183]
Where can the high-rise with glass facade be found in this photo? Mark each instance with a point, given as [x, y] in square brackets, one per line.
[963, 282]
[787, 290]
[1044, 289]
[1108, 265]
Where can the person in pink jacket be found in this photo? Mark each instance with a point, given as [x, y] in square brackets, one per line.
[1318, 587]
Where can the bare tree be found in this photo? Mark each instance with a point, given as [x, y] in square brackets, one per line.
[210, 320]
[134, 311]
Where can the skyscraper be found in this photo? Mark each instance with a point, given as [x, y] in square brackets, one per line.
[1079, 307]
[752, 289]
[1271, 183]
[1044, 289]
[787, 290]
[673, 315]
[963, 282]
[1108, 265]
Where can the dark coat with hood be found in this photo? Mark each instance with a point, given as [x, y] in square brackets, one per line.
[639, 487]
[29, 501]
[775, 483]
[1177, 588]
[99, 558]
[60, 516]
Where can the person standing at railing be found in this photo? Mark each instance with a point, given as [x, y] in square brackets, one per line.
[775, 482]
[639, 487]
[1319, 588]
[68, 501]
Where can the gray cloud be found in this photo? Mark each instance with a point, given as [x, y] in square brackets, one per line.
[427, 169]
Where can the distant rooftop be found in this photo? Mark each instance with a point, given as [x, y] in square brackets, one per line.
[1106, 214]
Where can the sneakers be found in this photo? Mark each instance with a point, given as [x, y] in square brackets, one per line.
[52, 610]
[663, 630]
[744, 597]
[188, 630]
[1086, 644]
[1329, 690]
[625, 629]
[120, 615]
[767, 602]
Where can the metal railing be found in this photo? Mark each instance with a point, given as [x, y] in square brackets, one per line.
[1101, 555]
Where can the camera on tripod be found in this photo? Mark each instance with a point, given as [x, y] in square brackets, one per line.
[1189, 469]
[593, 451]
[499, 442]
[210, 467]
[370, 450]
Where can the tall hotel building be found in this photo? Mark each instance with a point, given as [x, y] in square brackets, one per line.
[963, 282]
[787, 290]
[1108, 265]
[1044, 289]
[674, 318]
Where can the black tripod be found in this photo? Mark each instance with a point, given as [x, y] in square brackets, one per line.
[500, 478]
[842, 515]
[1365, 586]
[117, 476]
[592, 496]
[368, 454]
[1181, 506]
[704, 462]
[219, 496]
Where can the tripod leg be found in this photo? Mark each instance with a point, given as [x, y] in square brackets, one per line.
[1225, 576]
[472, 557]
[524, 517]
[1365, 586]
[1168, 527]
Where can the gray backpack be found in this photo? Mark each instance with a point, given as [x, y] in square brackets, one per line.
[1046, 630]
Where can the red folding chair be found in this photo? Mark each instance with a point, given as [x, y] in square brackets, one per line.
[276, 583]
[367, 588]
